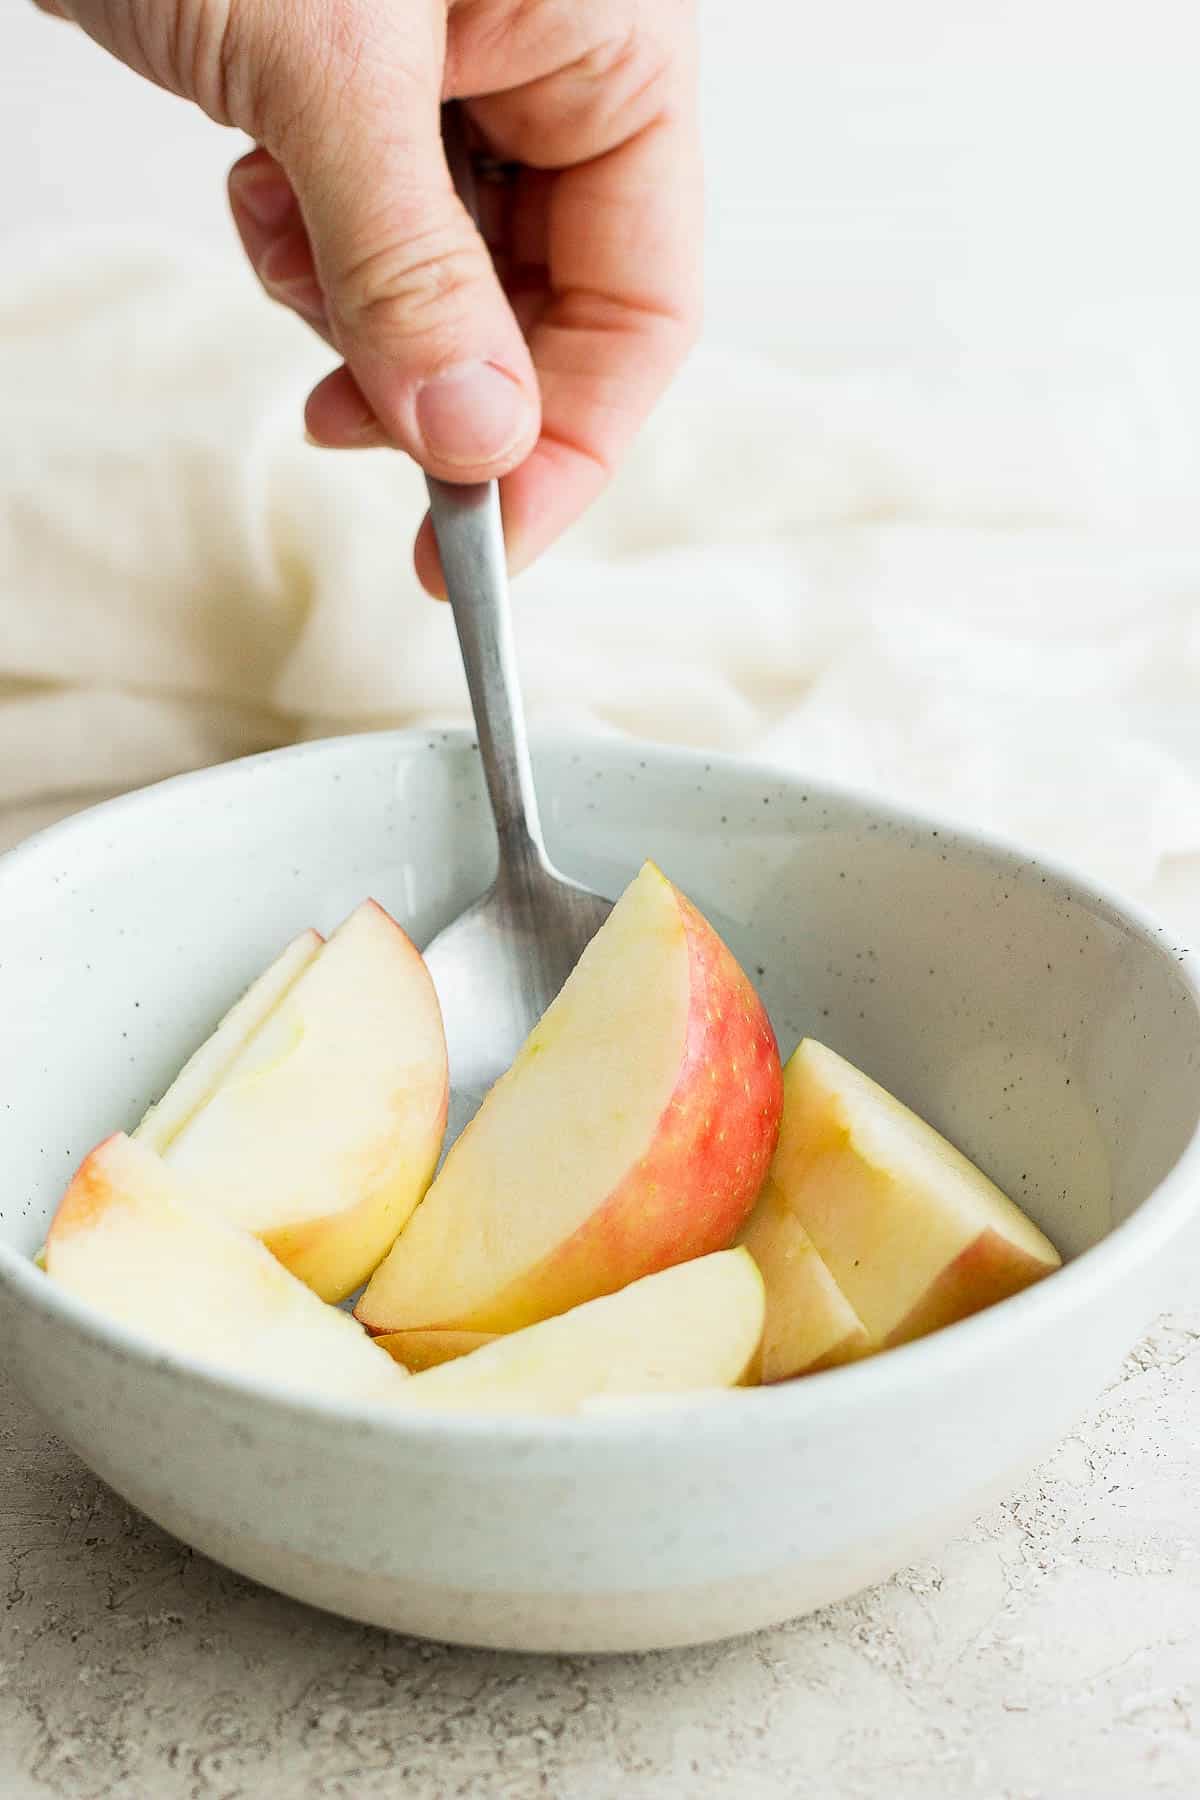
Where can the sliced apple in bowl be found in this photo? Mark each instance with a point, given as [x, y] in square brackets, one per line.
[632, 1132]
[129, 1239]
[687, 1328]
[203, 1073]
[418, 1350]
[914, 1235]
[810, 1324]
[314, 1116]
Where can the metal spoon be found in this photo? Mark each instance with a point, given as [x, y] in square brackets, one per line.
[498, 966]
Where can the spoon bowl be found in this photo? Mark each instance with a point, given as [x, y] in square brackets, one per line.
[498, 966]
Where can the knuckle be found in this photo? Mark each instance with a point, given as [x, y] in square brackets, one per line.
[415, 288]
[604, 95]
[624, 81]
[626, 60]
[195, 50]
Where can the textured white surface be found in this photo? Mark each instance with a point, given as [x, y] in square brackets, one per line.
[1050, 1653]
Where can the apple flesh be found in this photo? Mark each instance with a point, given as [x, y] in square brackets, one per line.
[633, 1131]
[913, 1233]
[212, 1061]
[196, 1080]
[810, 1324]
[691, 1327]
[429, 1349]
[127, 1240]
[321, 1130]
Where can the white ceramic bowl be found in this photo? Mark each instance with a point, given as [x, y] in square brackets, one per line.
[1054, 1035]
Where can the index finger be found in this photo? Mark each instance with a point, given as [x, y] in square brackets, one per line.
[623, 260]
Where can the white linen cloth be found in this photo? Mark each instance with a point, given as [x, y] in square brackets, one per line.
[972, 586]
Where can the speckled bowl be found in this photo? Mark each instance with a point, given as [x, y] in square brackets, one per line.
[1052, 1033]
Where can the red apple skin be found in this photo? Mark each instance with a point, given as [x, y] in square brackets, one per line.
[987, 1270]
[418, 1350]
[88, 1195]
[702, 1172]
[326, 1253]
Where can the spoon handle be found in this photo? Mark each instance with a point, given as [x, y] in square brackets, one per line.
[466, 522]
[470, 539]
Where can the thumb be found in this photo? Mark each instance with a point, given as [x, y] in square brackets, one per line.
[413, 300]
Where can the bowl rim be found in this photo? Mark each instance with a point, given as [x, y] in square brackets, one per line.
[669, 1421]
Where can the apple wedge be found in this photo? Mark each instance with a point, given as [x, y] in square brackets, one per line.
[200, 1075]
[694, 1326]
[127, 1240]
[810, 1324]
[429, 1349]
[324, 1128]
[913, 1233]
[203, 1072]
[633, 1131]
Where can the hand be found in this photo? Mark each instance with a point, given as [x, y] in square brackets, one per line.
[536, 362]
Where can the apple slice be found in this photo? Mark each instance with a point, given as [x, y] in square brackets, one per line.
[633, 1131]
[810, 1323]
[204, 1071]
[695, 1326]
[201, 1073]
[127, 1240]
[324, 1130]
[914, 1234]
[429, 1349]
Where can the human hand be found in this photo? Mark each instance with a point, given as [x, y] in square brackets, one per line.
[537, 362]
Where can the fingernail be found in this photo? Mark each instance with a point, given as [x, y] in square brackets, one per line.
[472, 414]
[264, 196]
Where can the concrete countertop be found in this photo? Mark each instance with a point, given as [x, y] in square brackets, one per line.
[1052, 1652]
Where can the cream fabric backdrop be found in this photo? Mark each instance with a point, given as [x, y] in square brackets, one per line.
[934, 531]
